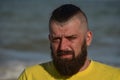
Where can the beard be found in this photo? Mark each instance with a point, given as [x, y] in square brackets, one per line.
[68, 67]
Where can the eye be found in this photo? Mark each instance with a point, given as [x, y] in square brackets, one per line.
[71, 37]
[55, 39]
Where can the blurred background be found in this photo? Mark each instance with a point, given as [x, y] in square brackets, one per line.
[24, 32]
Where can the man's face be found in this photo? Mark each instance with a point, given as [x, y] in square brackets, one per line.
[67, 41]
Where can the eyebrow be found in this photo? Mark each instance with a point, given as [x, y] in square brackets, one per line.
[71, 36]
[67, 36]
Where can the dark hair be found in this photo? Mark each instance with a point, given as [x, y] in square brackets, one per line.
[65, 12]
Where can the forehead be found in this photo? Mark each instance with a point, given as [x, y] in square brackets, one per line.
[73, 26]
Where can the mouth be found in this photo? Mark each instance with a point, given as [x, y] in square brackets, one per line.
[64, 55]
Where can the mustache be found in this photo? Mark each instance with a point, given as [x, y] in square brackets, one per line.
[60, 52]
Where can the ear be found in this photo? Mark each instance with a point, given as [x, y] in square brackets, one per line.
[89, 38]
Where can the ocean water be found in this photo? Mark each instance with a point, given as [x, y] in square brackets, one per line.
[24, 32]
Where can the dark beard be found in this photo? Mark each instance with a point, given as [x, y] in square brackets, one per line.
[68, 67]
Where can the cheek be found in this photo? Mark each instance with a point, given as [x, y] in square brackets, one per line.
[54, 47]
[77, 47]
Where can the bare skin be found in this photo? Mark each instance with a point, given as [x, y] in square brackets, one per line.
[70, 36]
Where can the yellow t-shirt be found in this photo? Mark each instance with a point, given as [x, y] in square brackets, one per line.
[47, 71]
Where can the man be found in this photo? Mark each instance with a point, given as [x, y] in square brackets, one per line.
[69, 37]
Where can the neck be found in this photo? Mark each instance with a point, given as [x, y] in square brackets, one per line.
[87, 62]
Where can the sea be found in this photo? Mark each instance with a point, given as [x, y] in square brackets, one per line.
[24, 32]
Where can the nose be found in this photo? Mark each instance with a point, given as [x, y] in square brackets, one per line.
[63, 44]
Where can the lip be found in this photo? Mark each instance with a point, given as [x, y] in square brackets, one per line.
[66, 56]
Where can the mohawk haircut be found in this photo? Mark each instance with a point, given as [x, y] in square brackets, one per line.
[65, 12]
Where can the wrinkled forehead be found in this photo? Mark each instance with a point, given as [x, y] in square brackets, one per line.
[76, 21]
[71, 27]
[71, 24]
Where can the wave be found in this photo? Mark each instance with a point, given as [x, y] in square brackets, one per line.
[14, 62]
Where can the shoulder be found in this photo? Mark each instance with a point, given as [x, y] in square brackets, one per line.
[107, 69]
[36, 72]
[104, 66]
[38, 67]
